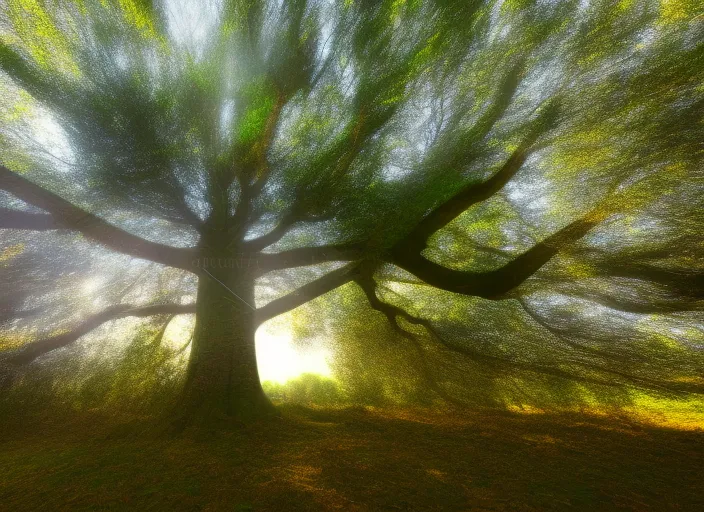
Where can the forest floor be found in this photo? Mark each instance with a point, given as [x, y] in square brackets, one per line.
[357, 459]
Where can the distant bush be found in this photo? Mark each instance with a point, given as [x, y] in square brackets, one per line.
[309, 388]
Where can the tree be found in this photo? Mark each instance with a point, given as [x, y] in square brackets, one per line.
[379, 142]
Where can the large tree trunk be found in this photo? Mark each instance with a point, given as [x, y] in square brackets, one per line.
[222, 382]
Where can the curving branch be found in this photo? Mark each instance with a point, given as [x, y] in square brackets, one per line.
[273, 236]
[470, 195]
[31, 351]
[407, 252]
[392, 313]
[297, 213]
[68, 216]
[416, 240]
[366, 282]
[160, 335]
[307, 292]
[500, 363]
[495, 284]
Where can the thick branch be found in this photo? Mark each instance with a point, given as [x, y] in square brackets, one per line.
[470, 195]
[417, 239]
[366, 282]
[304, 256]
[16, 219]
[69, 216]
[495, 283]
[272, 236]
[28, 353]
[307, 292]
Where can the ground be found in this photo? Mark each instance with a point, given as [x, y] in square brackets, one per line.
[357, 460]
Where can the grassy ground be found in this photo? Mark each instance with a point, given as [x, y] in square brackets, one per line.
[356, 460]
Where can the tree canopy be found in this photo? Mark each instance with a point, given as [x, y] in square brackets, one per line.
[493, 200]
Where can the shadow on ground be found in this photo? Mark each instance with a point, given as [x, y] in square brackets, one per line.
[357, 459]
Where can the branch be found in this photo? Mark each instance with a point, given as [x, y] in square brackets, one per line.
[254, 166]
[297, 213]
[495, 283]
[16, 219]
[31, 351]
[392, 312]
[69, 216]
[366, 282]
[688, 284]
[306, 293]
[304, 256]
[563, 338]
[617, 303]
[499, 362]
[272, 236]
[417, 239]
[470, 195]
[160, 335]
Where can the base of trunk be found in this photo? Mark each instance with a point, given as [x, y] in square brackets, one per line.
[222, 383]
[192, 412]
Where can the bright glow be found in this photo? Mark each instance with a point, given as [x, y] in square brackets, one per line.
[179, 332]
[90, 285]
[279, 360]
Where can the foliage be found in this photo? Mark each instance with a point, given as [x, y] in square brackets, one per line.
[309, 388]
[139, 378]
[484, 202]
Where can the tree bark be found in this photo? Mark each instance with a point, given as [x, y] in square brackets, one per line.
[222, 382]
